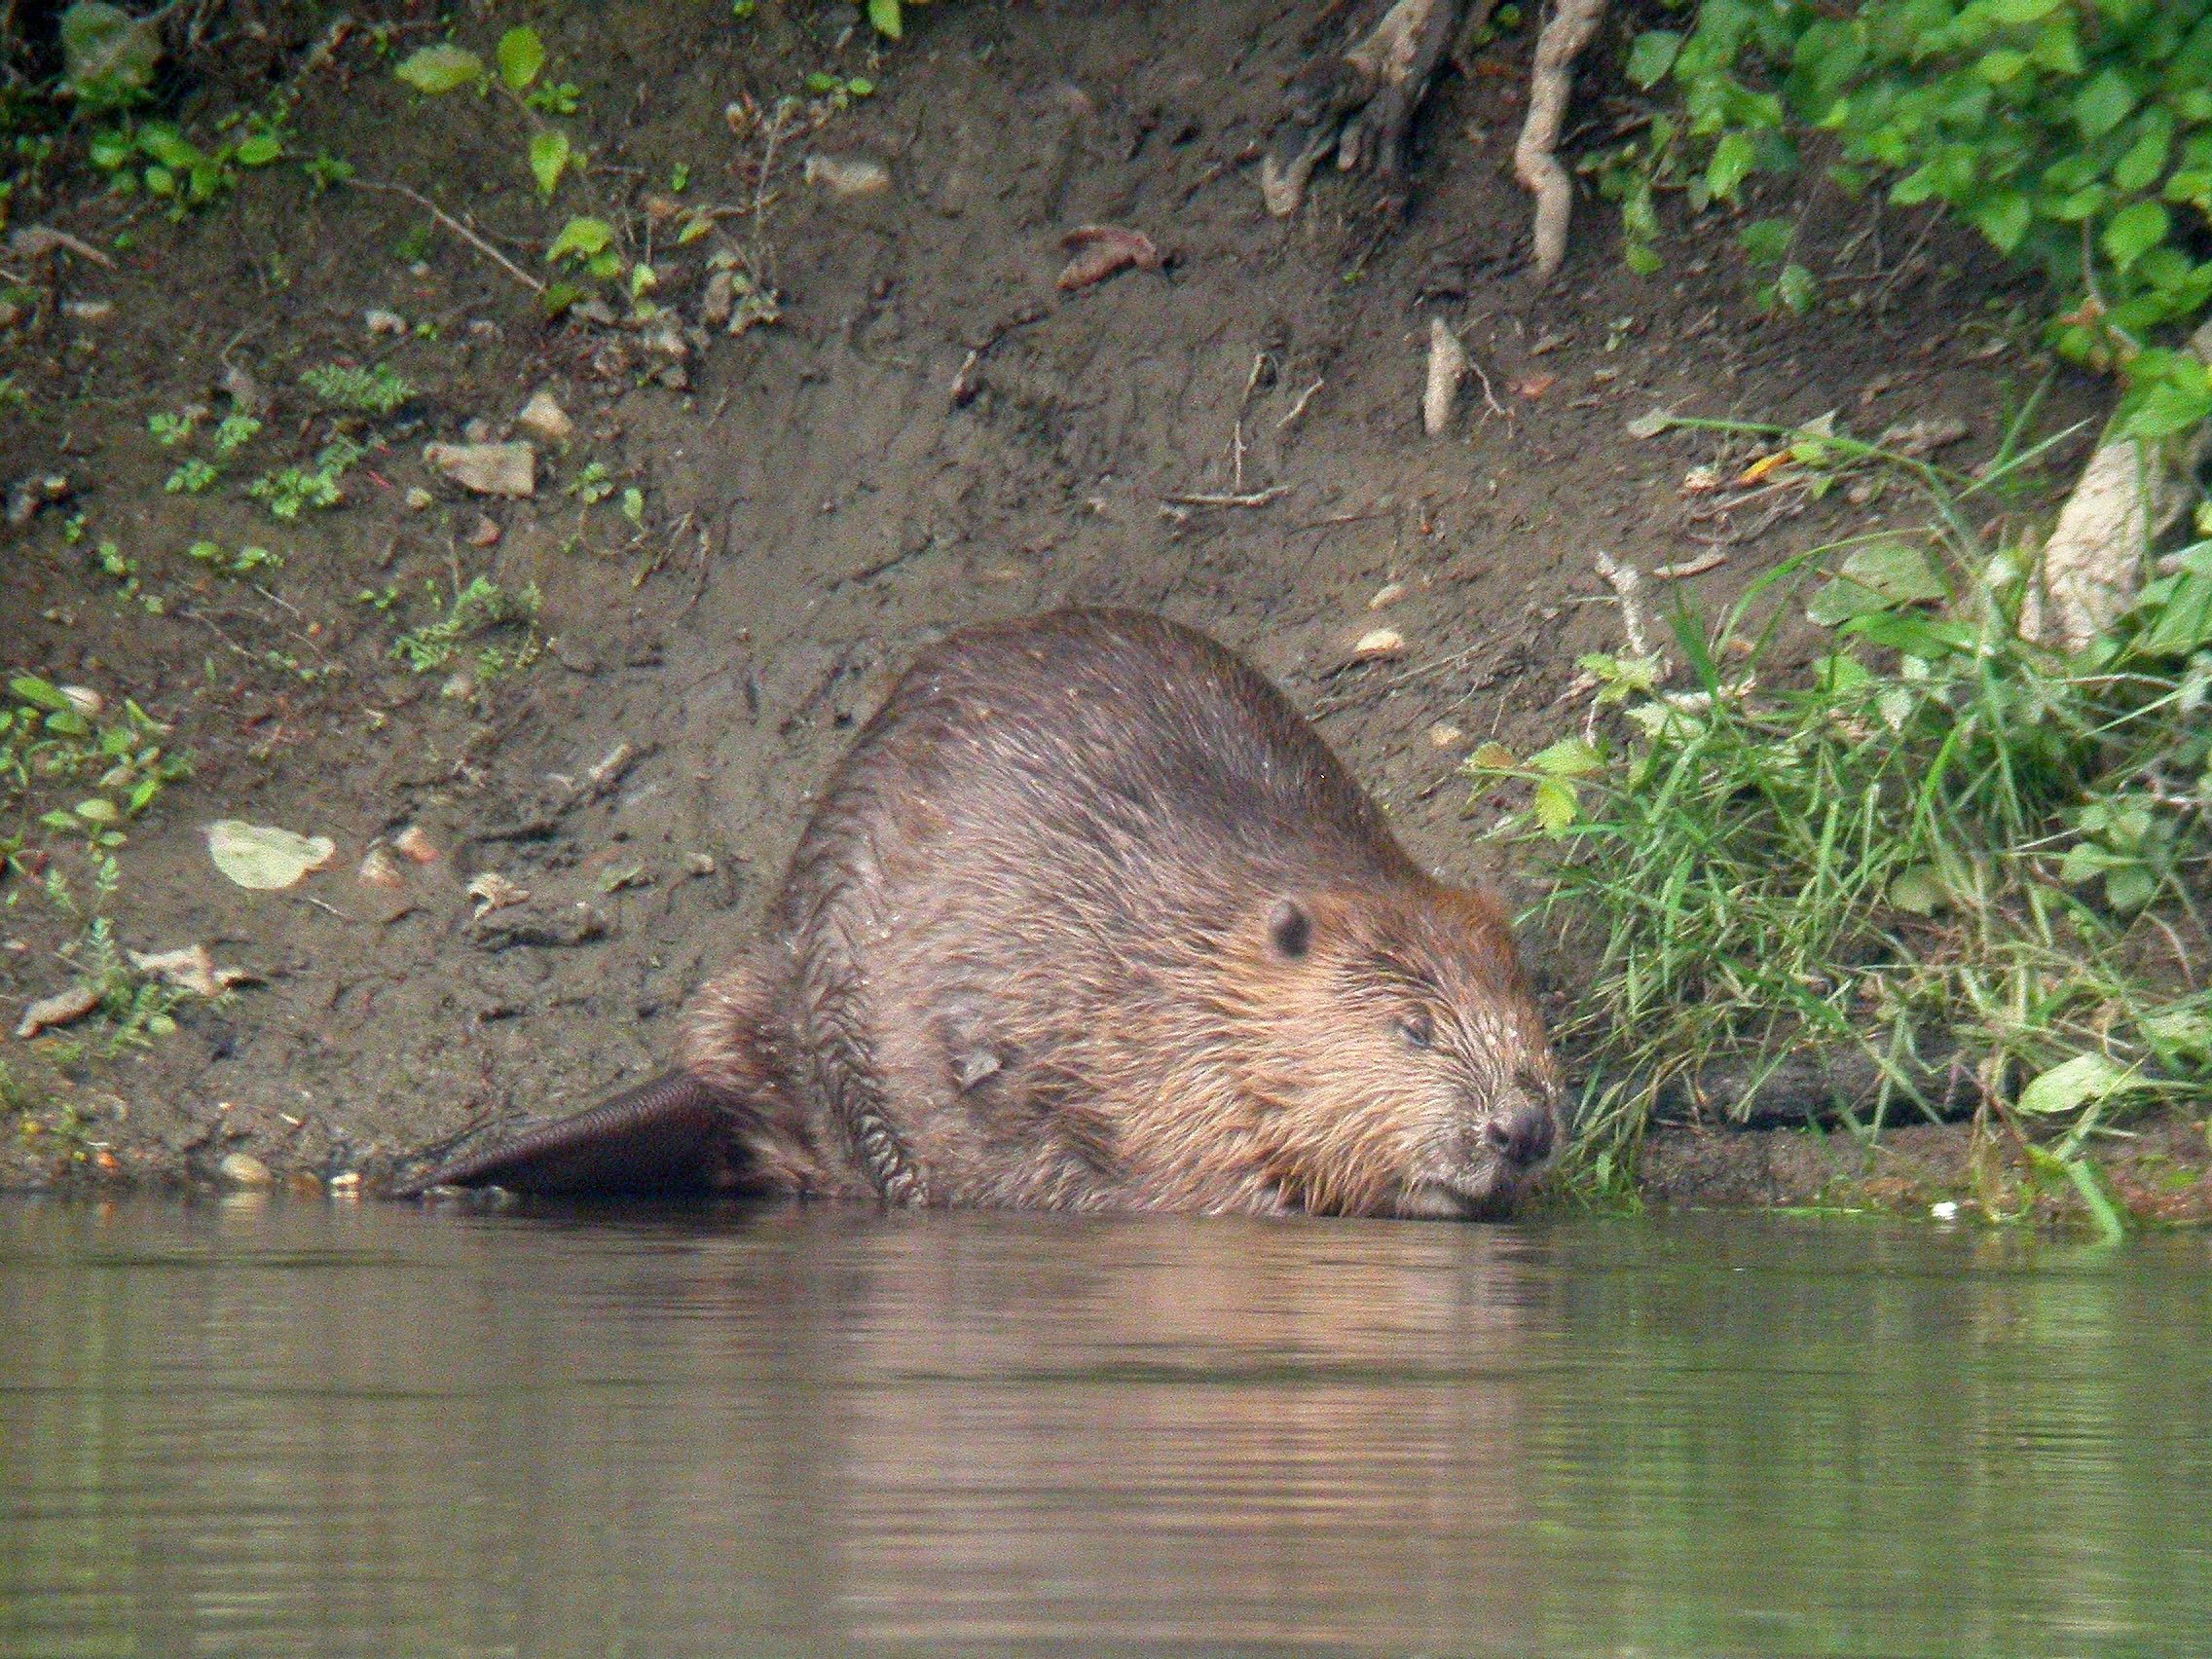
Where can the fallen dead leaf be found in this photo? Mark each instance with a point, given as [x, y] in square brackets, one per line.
[191, 969]
[1711, 560]
[1764, 467]
[59, 1009]
[1535, 385]
[1103, 249]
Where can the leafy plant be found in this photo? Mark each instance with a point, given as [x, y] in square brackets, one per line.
[374, 390]
[889, 15]
[481, 609]
[156, 158]
[291, 490]
[245, 561]
[2076, 136]
[50, 734]
[1968, 860]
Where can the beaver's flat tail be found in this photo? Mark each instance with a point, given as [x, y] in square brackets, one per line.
[673, 1136]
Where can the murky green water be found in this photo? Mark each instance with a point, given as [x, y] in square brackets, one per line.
[272, 1430]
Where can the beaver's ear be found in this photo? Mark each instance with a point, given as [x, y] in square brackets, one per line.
[1290, 930]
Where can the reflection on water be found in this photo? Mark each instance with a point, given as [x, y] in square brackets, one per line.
[257, 1429]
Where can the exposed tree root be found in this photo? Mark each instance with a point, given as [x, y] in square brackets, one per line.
[1534, 163]
[2127, 497]
[1359, 103]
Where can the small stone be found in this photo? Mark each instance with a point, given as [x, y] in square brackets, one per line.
[1445, 735]
[1387, 595]
[345, 1185]
[382, 321]
[484, 533]
[1947, 1211]
[544, 419]
[85, 700]
[488, 469]
[594, 309]
[26, 495]
[243, 1169]
[847, 176]
[417, 499]
[477, 430]
[674, 378]
[412, 843]
[377, 870]
[458, 687]
[89, 311]
[1384, 644]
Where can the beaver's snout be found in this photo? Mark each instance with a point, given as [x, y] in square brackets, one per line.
[1523, 1136]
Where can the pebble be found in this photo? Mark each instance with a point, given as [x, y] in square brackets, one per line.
[488, 469]
[1444, 734]
[484, 533]
[381, 322]
[243, 1169]
[846, 176]
[1381, 646]
[543, 417]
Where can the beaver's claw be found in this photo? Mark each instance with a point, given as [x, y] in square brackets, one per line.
[1358, 103]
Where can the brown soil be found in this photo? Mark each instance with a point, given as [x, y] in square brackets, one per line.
[932, 434]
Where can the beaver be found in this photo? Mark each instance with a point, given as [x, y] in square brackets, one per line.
[1089, 918]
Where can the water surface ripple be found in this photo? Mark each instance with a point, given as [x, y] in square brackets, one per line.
[258, 1428]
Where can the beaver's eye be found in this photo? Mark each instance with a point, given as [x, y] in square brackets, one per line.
[1417, 1028]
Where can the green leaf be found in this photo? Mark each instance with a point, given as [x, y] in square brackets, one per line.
[2146, 158]
[2014, 12]
[2183, 617]
[1732, 159]
[2004, 63]
[548, 159]
[1568, 758]
[2103, 104]
[98, 811]
[441, 69]
[41, 692]
[2002, 218]
[2166, 406]
[1876, 578]
[1652, 55]
[1766, 241]
[884, 14]
[106, 53]
[1555, 805]
[2134, 231]
[2128, 890]
[2072, 1085]
[260, 150]
[1795, 288]
[521, 56]
[581, 237]
[1916, 889]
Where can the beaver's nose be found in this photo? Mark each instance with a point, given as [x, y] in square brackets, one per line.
[1522, 1135]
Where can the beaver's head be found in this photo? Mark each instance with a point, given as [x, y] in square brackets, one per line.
[1395, 1062]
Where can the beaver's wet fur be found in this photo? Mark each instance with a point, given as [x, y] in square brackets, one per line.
[1089, 918]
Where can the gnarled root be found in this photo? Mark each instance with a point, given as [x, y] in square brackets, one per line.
[1534, 163]
[1359, 103]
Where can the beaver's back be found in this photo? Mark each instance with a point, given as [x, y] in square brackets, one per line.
[1107, 740]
